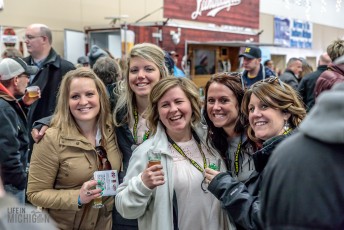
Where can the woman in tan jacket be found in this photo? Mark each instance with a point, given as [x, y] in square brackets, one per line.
[63, 162]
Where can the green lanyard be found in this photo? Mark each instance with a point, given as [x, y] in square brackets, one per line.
[147, 133]
[193, 162]
[236, 157]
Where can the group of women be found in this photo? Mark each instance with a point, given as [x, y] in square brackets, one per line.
[157, 112]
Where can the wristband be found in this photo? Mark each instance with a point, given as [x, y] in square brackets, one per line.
[79, 202]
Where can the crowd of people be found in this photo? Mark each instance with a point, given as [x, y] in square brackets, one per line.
[260, 152]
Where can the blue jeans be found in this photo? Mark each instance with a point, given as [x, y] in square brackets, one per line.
[19, 194]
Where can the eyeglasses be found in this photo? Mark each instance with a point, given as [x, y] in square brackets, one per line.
[31, 37]
[271, 80]
[102, 155]
[24, 75]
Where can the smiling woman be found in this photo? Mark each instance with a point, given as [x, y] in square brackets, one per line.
[226, 123]
[274, 109]
[169, 196]
[84, 101]
[63, 162]
[145, 66]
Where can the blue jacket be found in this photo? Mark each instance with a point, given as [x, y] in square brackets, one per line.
[262, 74]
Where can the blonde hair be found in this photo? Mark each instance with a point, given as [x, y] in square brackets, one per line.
[63, 118]
[159, 90]
[126, 97]
[276, 95]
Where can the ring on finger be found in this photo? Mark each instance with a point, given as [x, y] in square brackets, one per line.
[88, 193]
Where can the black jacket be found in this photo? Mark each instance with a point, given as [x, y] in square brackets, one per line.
[241, 200]
[125, 142]
[307, 85]
[48, 79]
[14, 141]
[303, 184]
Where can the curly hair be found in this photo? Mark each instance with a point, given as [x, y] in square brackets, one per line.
[336, 49]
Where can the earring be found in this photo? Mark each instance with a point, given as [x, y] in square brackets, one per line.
[286, 126]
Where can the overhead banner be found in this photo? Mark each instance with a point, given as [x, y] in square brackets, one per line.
[293, 33]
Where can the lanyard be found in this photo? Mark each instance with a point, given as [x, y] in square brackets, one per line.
[236, 157]
[146, 135]
[287, 131]
[193, 162]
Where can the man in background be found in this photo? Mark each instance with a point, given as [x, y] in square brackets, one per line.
[14, 139]
[291, 74]
[307, 84]
[176, 71]
[254, 70]
[38, 39]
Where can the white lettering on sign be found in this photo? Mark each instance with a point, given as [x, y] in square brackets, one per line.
[214, 6]
[9, 39]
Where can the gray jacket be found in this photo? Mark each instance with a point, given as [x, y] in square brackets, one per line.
[290, 78]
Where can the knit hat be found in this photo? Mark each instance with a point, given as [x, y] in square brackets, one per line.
[96, 53]
[83, 60]
[12, 67]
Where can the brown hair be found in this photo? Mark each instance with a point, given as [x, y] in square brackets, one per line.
[159, 90]
[277, 95]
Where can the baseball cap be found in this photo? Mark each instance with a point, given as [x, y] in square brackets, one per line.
[12, 67]
[173, 53]
[251, 52]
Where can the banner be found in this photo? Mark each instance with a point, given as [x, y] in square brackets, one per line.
[293, 33]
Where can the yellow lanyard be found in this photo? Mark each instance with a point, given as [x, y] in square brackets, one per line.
[193, 162]
[147, 133]
[236, 157]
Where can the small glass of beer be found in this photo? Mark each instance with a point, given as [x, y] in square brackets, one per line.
[33, 91]
[98, 202]
[154, 158]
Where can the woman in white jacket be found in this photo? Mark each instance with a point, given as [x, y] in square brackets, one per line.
[172, 195]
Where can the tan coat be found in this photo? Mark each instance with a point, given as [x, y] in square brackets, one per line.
[60, 164]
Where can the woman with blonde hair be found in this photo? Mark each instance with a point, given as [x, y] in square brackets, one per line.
[80, 141]
[274, 110]
[145, 68]
[171, 195]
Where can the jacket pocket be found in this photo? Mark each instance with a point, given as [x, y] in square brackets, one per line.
[64, 218]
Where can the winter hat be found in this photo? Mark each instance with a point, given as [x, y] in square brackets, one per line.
[12, 67]
[96, 53]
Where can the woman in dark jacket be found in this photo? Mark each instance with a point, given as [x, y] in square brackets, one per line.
[226, 131]
[273, 109]
[146, 66]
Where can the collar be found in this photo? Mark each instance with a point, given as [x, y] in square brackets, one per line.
[6, 94]
[50, 59]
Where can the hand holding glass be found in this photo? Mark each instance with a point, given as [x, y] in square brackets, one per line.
[154, 158]
[33, 91]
